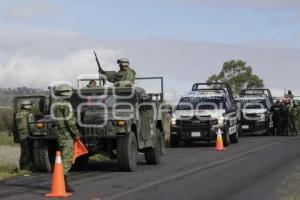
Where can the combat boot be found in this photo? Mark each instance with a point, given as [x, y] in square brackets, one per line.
[68, 187]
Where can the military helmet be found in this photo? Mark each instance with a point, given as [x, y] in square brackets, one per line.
[26, 104]
[123, 61]
[64, 90]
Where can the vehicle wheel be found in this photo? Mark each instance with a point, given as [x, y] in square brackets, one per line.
[226, 138]
[235, 137]
[153, 155]
[174, 140]
[127, 152]
[81, 162]
[267, 132]
[188, 142]
[43, 156]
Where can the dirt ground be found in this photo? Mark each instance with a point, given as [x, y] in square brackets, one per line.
[9, 154]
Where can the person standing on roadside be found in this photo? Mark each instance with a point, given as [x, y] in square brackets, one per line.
[67, 128]
[294, 119]
[278, 117]
[24, 121]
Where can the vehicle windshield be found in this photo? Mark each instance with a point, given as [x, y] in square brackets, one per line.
[202, 103]
[103, 102]
[254, 103]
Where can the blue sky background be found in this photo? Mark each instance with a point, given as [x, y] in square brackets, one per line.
[183, 40]
[182, 20]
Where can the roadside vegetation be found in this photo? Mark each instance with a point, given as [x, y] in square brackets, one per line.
[6, 139]
[289, 189]
[8, 170]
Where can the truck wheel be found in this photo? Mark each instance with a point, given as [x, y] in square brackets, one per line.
[235, 137]
[267, 131]
[226, 138]
[188, 142]
[127, 152]
[174, 140]
[43, 156]
[153, 155]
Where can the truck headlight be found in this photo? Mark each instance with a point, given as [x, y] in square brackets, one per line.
[173, 121]
[39, 125]
[221, 121]
[262, 117]
[121, 123]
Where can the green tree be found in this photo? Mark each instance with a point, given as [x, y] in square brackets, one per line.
[238, 75]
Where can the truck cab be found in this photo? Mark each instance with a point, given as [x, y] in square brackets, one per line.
[200, 114]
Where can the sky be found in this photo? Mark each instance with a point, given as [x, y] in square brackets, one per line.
[185, 41]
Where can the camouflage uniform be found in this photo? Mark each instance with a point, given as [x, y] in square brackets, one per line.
[67, 132]
[23, 119]
[125, 77]
[294, 120]
[286, 119]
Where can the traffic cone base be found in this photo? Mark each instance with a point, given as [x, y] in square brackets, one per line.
[58, 189]
[219, 142]
[58, 196]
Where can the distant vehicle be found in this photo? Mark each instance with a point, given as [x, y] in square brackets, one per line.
[256, 115]
[200, 114]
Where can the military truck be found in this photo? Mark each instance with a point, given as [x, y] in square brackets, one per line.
[200, 114]
[256, 111]
[117, 122]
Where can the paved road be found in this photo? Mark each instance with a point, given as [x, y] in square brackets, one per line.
[253, 169]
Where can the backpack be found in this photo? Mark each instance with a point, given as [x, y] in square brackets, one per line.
[21, 125]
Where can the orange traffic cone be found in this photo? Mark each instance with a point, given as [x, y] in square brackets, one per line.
[219, 142]
[58, 189]
[79, 150]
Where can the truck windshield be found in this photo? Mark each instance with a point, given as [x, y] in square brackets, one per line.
[105, 102]
[254, 103]
[202, 103]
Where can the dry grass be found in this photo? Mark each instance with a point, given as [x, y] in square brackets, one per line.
[6, 139]
[289, 189]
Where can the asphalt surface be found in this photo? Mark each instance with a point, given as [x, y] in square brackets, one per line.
[253, 169]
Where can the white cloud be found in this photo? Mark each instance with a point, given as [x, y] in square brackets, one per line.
[32, 9]
[40, 72]
[36, 58]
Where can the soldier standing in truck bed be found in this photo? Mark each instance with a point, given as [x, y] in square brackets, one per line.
[125, 77]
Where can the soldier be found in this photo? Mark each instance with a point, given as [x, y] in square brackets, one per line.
[294, 119]
[125, 76]
[285, 118]
[24, 119]
[277, 117]
[92, 84]
[67, 128]
[289, 95]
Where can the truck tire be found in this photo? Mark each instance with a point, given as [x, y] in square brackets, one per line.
[127, 152]
[226, 138]
[267, 130]
[174, 140]
[153, 154]
[234, 138]
[43, 157]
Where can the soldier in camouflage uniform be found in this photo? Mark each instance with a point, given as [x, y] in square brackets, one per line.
[286, 118]
[125, 76]
[67, 128]
[23, 120]
[92, 84]
[294, 118]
